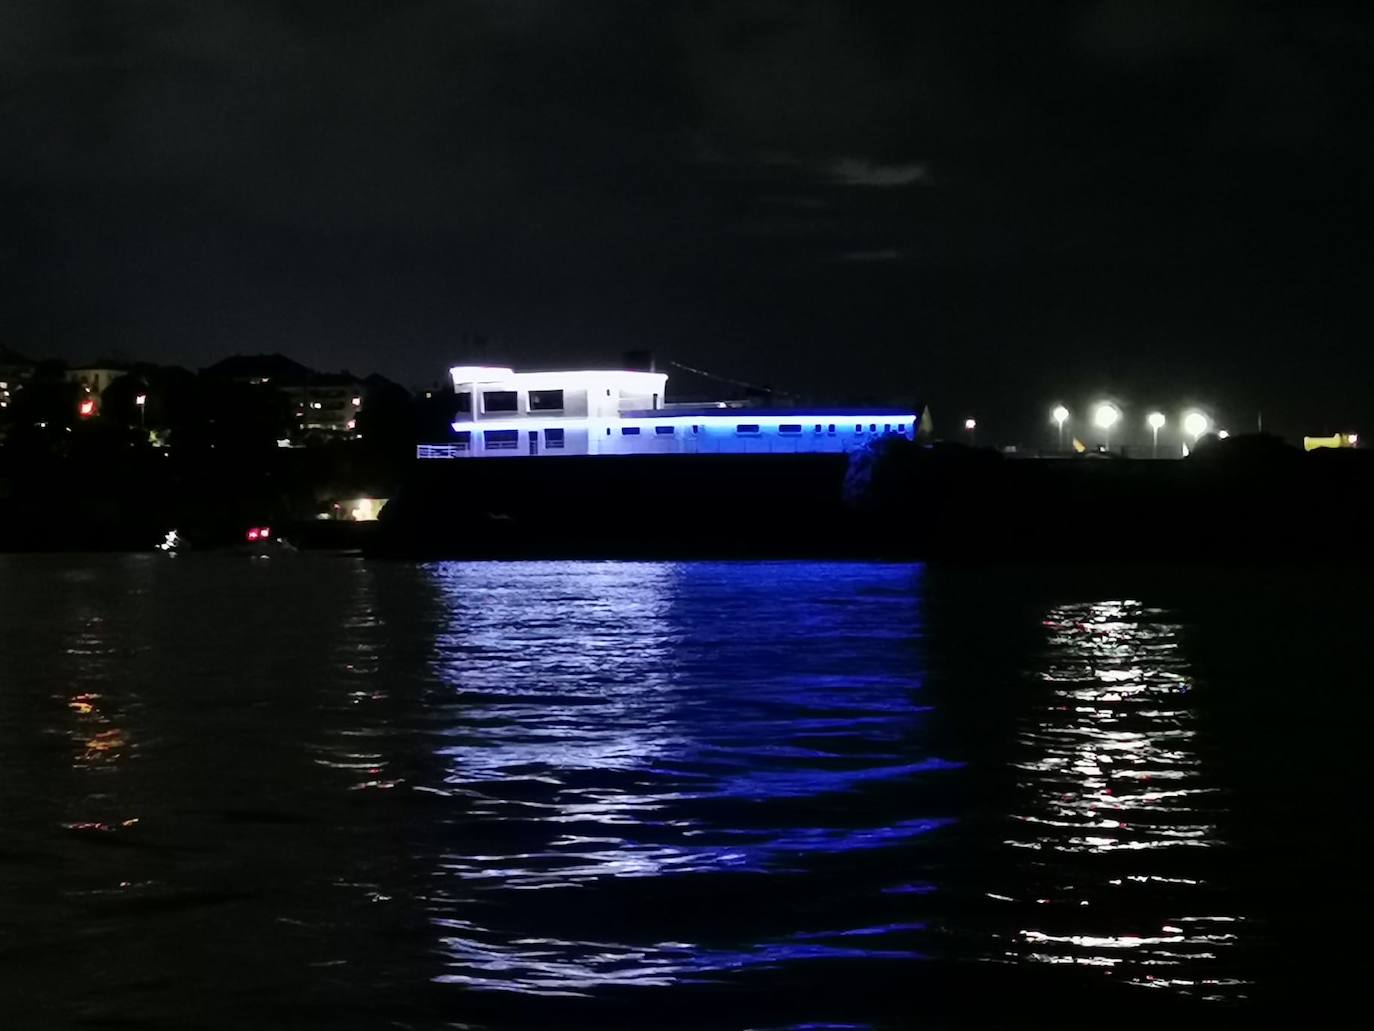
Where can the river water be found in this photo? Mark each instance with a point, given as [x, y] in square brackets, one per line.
[313, 791]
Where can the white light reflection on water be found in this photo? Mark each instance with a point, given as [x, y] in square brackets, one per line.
[1114, 804]
[602, 725]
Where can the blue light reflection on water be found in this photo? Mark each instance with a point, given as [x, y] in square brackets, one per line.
[629, 721]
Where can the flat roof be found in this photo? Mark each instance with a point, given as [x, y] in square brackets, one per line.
[748, 414]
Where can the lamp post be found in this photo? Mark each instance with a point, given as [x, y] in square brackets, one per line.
[971, 425]
[1060, 415]
[141, 400]
[1105, 416]
[1156, 423]
[1195, 425]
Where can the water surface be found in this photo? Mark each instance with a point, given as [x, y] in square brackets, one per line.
[314, 791]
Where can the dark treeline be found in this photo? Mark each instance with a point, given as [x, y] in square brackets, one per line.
[204, 453]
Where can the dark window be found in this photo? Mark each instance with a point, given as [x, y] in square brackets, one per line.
[872, 427]
[553, 438]
[465, 403]
[664, 431]
[608, 431]
[501, 440]
[859, 428]
[696, 429]
[463, 440]
[747, 427]
[546, 400]
[832, 428]
[790, 427]
[818, 427]
[629, 431]
[887, 427]
[499, 401]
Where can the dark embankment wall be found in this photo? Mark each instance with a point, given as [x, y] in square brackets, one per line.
[1234, 501]
[128, 498]
[627, 506]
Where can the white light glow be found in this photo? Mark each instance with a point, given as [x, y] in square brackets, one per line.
[1060, 415]
[1155, 420]
[1223, 434]
[1195, 424]
[141, 400]
[1353, 438]
[970, 424]
[1105, 416]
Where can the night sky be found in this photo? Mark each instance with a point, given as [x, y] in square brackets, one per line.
[989, 206]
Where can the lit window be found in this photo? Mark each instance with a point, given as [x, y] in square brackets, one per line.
[500, 401]
[553, 439]
[664, 431]
[546, 400]
[629, 431]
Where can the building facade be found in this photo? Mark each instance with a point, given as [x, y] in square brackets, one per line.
[505, 414]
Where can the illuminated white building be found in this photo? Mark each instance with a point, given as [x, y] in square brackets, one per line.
[503, 414]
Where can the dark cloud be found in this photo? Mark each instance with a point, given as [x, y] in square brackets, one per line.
[990, 205]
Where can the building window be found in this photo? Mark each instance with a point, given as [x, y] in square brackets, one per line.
[629, 431]
[831, 429]
[553, 439]
[696, 428]
[664, 431]
[818, 427]
[501, 440]
[747, 427]
[463, 441]
[790, 427]
[465, 403]
[500, 401]
[546, 400]
[872, 427]
[859, 428]
[887, 427]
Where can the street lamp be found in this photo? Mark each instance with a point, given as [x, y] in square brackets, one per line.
[1060, 415]
[1105, 416]
[1195, 425]
[141, 400]
[1156, 423]
[971, 425]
